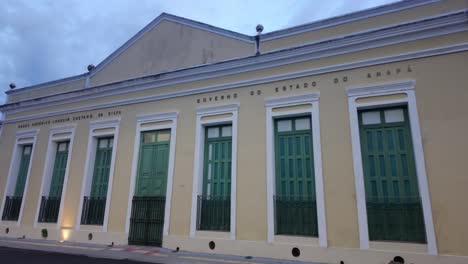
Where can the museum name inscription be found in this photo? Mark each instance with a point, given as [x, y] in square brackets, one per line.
[72, 118]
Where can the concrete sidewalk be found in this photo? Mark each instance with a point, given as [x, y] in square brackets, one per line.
[136, 253]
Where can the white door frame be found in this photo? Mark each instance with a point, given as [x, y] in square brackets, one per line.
[97, 129]
[56, 134]
[311, 100]
[22, 138]
[384, 89]
[217, 115]
[148, 122]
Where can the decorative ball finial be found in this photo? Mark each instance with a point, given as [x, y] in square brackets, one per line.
[91, 67]
[12, 85]
[259, 28]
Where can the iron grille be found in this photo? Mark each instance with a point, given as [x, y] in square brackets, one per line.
[93, 210]
[296, 215]
[147, 220]
[49, 210]
[395, 219]
[12, 208]
[214, 213]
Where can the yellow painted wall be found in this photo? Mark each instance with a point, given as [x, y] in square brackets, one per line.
[441, 97]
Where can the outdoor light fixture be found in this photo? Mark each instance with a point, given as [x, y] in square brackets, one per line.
[65, 235]
[259, 29]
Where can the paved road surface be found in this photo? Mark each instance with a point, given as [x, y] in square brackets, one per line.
[22, 256]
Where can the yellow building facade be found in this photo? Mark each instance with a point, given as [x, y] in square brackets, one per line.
[342, 140]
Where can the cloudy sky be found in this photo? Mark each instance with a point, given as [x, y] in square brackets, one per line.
[44, 40]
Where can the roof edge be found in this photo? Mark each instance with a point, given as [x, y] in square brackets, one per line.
[328, 22]
[434, 23]
[48, 84]
[346, 18]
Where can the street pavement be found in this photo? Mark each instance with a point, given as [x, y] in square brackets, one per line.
[24, 256]
[32, 251]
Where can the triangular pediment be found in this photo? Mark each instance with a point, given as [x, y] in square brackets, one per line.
[169, 43]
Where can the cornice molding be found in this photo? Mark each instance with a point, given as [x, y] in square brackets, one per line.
[217, 109]
[329, 22]
[107, 123]
[289, 100]
[442, 25]
[27, 134]
[157, 117]
[62, 129]
[312, 72]
[381, 89]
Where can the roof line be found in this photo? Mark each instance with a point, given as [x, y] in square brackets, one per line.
[337, 20]
[48, 84]
[151, 25]
[453, 19]
[346, 18]
[211, 28]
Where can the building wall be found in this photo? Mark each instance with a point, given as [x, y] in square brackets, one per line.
[443, 128]
[440, 97]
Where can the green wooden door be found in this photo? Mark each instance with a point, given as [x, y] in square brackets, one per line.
[102, 165]
[217, 161]
[148, 204]
[295, 204]
[215, 203]
[153, 163]
[60, 166]
[392, 195]
[23, 170]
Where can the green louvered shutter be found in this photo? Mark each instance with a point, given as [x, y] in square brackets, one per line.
[102, 167]
[58, 173]
[393, 203]
[217, 161]
[214, 205]
[295, 203]
[23, 170]
[153, 163]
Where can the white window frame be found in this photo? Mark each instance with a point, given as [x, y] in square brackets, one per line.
[55, 136]
[213, 111]
[142, 125]
[313, 100]
[383, 89]
[22, 138]
[94, 134]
